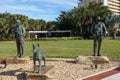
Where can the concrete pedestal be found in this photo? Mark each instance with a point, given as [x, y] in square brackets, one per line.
[29, 75]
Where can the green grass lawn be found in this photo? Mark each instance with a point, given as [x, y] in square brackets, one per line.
[67, 48]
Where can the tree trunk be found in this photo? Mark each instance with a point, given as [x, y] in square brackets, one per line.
[114, 34]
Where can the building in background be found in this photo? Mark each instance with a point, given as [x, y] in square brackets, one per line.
[113, 5]
[46, 34]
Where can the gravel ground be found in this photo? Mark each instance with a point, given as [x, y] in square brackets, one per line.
[64, 69]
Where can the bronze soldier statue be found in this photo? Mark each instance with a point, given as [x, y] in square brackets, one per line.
[19, 32]
[98, 30]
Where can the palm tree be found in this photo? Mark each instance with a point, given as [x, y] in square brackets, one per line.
[113, 23]
[80, 19]
[7, 22]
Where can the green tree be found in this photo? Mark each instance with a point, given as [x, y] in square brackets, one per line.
[37, 25]
[113, 23]
[7, 22]
[51, 25]
[80, 19]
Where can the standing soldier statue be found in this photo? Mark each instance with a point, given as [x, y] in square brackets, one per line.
[98, 30]
[19, 32]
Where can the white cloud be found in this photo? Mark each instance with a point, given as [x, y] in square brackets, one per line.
[57, 2]
[44, 17]
[21, 8]
[43, 9]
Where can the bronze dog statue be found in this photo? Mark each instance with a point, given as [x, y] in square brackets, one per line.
[38, 56]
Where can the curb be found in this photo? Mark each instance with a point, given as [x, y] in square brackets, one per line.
[99, 73]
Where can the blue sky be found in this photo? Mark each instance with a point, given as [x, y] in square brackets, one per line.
[38, 9]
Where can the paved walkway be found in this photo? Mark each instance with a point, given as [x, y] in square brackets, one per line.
[111, 74]
[113, 77]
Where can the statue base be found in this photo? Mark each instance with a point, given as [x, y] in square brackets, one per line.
[92, 60]
[14, 60]
[29, 75]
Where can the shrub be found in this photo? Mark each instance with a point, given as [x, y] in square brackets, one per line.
[54, 39]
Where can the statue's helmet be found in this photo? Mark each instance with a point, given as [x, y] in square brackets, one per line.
[17, 21]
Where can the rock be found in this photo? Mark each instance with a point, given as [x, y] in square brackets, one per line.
[15, 60]
[99, 59]
[91, 60]
[83, 60]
